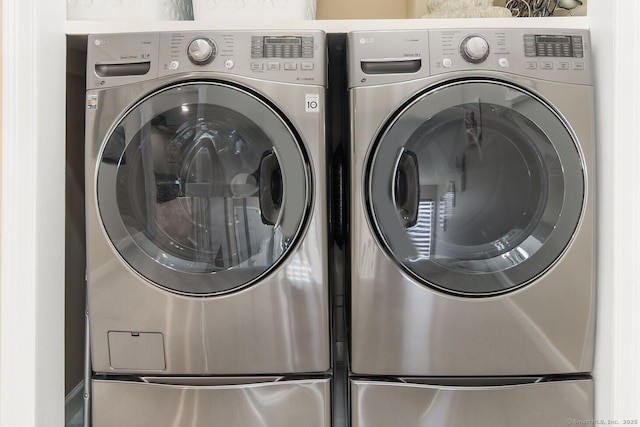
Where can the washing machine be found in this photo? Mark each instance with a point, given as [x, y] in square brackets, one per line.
[472, 227]
[206, 220]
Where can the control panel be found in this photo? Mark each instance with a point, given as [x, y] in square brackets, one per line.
[287, 56]
[558, 55]
[281, 57]
[380, 57]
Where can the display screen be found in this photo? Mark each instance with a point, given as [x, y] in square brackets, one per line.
[553, 39]
[283, 40]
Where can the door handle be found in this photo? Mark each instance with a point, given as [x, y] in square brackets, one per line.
[406, 188]
[270, 188]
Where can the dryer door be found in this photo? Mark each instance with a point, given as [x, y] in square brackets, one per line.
[475, 187]
[203, 188]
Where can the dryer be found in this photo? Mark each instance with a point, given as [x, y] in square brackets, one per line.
[206, 219]
[472, 226]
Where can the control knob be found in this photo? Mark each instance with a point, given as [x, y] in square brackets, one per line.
[474, 49]
[201, 51]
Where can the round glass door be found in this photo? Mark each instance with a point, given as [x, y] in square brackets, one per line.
[203, 188]
[475, 187]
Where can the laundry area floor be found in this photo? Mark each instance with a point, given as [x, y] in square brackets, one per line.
[74, 411]
[76, 420]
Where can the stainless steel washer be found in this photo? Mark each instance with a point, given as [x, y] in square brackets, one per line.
[206, 228]
[472, 219]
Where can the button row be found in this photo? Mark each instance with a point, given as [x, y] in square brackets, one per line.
[282, 51]
[550, 65]
[277, 66]
[551, 49]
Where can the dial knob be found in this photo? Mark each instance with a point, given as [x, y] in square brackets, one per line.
[474, 49]
[201, 51]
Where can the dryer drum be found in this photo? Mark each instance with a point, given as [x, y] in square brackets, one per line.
[478, 202]
[497, 185]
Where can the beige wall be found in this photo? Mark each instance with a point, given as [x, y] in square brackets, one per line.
[361, 9]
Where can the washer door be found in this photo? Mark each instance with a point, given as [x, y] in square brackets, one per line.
[475, 187]
[203, 188]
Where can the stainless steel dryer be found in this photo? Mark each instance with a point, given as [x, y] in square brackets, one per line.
[206, 228]
[472, 225]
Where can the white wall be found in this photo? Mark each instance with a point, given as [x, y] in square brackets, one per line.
[616, 39]
[32, 293]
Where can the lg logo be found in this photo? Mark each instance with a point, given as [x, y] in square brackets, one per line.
[366, 40]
